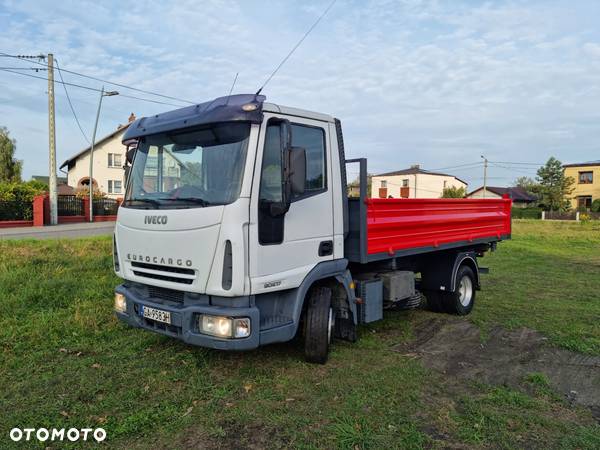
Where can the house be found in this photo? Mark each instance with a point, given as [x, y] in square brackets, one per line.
[354, 187]
[520, 197]
[587, 183]
[413, 183]
[61, 184]
[109, 159]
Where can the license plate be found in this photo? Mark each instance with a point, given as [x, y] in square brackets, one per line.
[156, 314]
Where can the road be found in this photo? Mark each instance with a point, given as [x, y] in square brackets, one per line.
[71, 230]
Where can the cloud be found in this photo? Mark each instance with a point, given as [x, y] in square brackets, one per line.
[436, 83]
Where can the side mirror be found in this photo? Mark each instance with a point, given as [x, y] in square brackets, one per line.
[297, 169]
[131, 145]
[130, 154]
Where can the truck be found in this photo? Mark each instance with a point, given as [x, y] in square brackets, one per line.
[237, 231]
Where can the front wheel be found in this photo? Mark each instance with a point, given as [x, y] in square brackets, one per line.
[461, 301]
[319, 322]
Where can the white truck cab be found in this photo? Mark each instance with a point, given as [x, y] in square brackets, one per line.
[211, 229]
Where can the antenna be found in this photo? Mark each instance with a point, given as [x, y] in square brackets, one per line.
[234, 80]
[231, 90]
[296, 46]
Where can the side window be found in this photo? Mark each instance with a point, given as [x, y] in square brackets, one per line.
[270, 228]
[270, 179]
[313, 140]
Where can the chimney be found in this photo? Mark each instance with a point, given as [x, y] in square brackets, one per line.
[131, 118]
[415, 166]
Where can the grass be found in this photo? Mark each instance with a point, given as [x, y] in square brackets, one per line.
[546, 278]
[66, 362]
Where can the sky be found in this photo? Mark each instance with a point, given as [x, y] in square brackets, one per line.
[436, 83]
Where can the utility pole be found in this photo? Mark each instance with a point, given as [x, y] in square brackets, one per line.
[52, 144]
[485, 166]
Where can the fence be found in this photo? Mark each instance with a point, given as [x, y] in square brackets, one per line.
[16, 210]
[105, 207]
[70, 205]
[571, 215]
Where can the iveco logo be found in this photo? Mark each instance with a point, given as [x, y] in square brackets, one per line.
[156, 220]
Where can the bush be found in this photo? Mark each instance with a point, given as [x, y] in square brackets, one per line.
[23, 192]
[84, 192]
[16, 199]
[526, 213]
[596, 205]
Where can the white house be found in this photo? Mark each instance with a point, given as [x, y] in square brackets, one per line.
[109, 159]
[413, 183]
[520, 197]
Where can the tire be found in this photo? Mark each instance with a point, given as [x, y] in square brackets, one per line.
[319, 325]
[435, 301]
[462, 300]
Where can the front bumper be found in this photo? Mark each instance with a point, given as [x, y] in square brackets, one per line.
[184, 320]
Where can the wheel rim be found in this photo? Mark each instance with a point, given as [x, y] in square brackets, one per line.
[465, 290]
[330, 324]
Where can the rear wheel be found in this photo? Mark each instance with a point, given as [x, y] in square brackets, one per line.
[461, 301]
[319, 322]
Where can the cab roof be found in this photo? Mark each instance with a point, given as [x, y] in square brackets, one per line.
[232, 108]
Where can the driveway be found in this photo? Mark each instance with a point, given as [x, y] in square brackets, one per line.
[71, 230]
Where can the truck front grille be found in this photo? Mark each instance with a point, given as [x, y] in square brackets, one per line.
[164, 273]
[165, 294]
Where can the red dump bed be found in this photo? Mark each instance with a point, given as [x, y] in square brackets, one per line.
[399, 224]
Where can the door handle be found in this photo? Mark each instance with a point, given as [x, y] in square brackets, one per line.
[326, 248]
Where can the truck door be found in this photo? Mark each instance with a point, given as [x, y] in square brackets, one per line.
[283, 249]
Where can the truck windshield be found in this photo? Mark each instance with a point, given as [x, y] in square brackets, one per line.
[193, 168]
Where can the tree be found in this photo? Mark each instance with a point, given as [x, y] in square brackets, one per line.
[10, 168]
[528, 184]
[454, 192]
[555, 188]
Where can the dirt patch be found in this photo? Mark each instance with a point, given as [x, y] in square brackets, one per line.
[506, 357]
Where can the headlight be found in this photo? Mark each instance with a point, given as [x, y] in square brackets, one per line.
[120, 303]
[224, 327]
[241, 327]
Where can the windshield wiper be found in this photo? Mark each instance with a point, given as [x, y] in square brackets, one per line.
[198, 201]
[155, 203]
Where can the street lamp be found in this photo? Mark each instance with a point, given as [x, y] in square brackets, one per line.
[103, 94]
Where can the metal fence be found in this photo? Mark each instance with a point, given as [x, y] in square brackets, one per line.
[16, 210]
[560, 215]
[70, 205]
[105, 207]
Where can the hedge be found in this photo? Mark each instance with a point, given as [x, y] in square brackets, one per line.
[16, 199]
[527, 213]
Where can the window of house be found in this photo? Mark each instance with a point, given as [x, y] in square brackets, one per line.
[312, 139]
[405, 182]
[383, 183]
[114, 186]
[584, 202]
[586, 177]
[114, 160]
[445, 184]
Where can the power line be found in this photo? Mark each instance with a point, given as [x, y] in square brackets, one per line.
[520, 163]
[474, 164]
[37, 69]
[513, 169]
[71, 104]
[93, 89]
[105, 81]
[296, 46]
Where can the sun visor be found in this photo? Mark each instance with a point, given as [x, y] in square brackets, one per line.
[233, 108]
